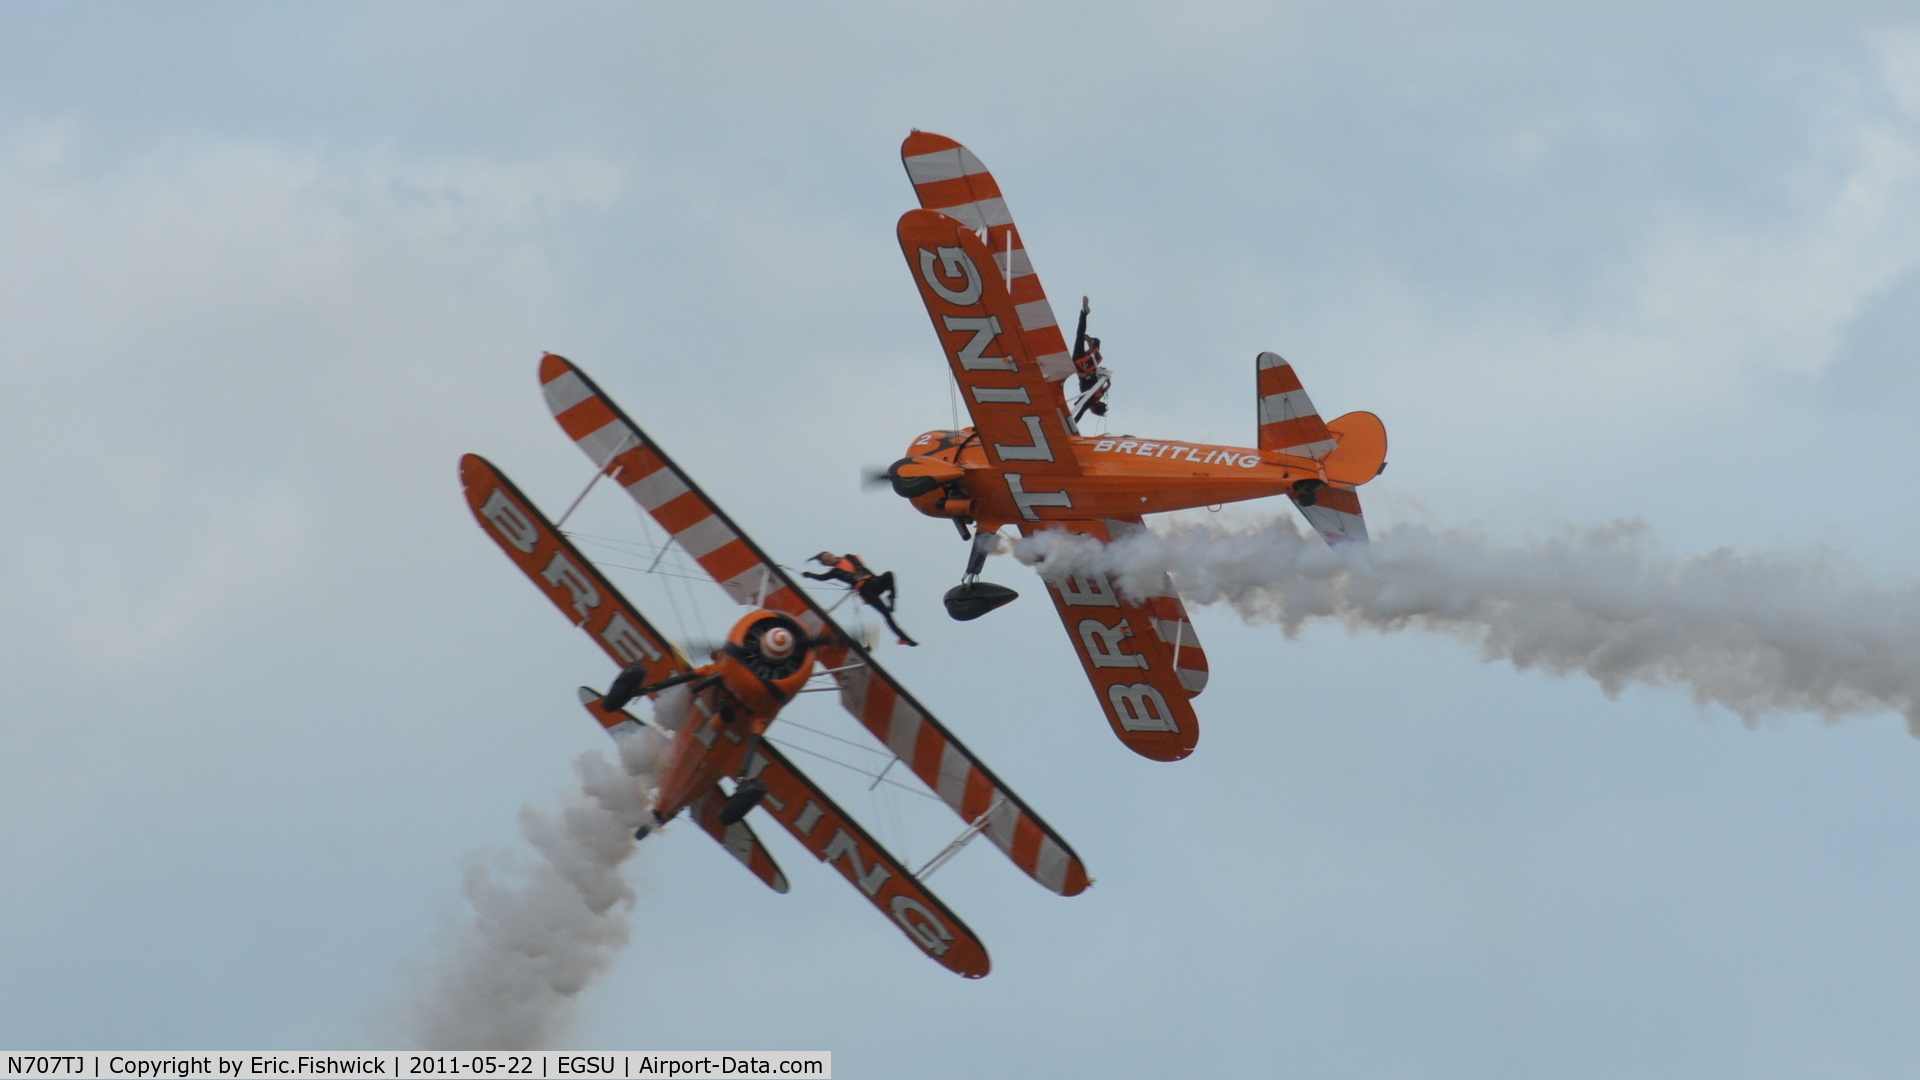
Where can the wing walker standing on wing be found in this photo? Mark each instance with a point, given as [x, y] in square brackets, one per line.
[1025, 463]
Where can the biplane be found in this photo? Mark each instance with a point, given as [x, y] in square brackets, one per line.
[1025, 463]
[709, 720]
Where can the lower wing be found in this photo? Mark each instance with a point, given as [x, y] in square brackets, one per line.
[833, 837]
[1140, 653]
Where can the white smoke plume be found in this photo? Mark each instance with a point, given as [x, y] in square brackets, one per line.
[1755, 633]
[542, 929]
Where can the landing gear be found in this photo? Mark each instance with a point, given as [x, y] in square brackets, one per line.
[973, 598]
[626, 685]
[743, 800]
[1307, 492]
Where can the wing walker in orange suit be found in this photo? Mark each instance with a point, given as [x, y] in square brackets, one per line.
[1025, 462]
[875, 590]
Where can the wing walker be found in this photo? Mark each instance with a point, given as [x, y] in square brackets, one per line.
[710, 720]
[1025, 463]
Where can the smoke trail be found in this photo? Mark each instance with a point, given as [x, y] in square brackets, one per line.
[1755, 633]
[542, 929]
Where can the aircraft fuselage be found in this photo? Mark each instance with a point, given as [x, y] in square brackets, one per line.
[1120, 476]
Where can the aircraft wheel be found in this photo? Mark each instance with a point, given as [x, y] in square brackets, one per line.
[744, 798]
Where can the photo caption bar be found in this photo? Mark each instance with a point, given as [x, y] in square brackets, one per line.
[544, 1065]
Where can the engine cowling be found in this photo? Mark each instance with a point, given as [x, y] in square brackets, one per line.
[767, 659]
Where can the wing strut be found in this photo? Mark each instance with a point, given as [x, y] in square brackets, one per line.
[967, 834]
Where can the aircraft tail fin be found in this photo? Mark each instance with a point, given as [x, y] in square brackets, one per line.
[1351, 450]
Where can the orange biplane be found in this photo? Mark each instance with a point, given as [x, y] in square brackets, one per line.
[709, 720]
[1024, 462]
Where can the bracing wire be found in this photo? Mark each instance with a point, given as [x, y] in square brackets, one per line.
[784, 744]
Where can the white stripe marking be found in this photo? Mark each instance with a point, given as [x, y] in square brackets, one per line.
[1037, 315]
[1056, 366]
[954, 768]
[565, 392]
[1287, 405]
[705, 536]
[657, 488]
[992, 395]
[607, 441]
[1050, 869]
[903, 730]
[984, 214]
[853, 690]
[1176, 633]
[1315, 450]
[1022, 266]
[744, 586]
[939, 165]
[1336, 526]
[1002, 817]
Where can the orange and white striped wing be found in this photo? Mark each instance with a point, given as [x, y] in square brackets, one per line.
[605, 434]
[1171, 627]
[558, 569]
[1019, 413]
[617, 445]
[1127, 646]
[1289, 424]
[894, 717]
[947, 177]
[833, 837]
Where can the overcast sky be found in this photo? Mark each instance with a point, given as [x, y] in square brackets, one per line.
[266, 271]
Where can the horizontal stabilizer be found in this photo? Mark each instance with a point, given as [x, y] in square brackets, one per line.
[1335, 515]
[1362, 452]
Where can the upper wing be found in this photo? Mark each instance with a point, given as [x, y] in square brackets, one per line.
[605, 434]
[833, 837]
[948, 178]
[574, 585]
[1019, 412]
[880, 703]
[1140, 654]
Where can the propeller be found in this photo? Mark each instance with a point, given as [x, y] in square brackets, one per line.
[873, 476]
